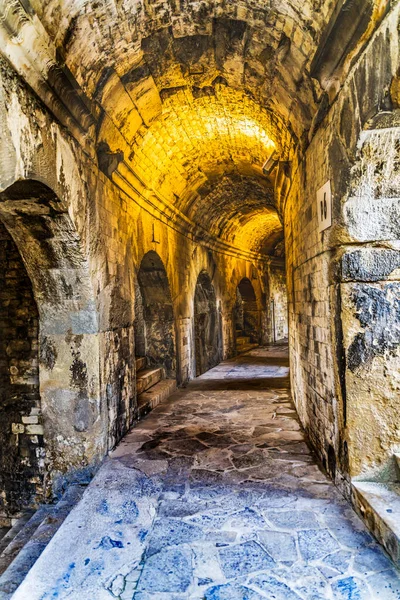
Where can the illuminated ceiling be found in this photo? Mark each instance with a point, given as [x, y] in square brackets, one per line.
[197, 95]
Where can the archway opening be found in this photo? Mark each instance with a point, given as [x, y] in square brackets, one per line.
[154, 319]
[50, 359]
[21, 439]
[247, 315]
[139, 323]
[207, 325]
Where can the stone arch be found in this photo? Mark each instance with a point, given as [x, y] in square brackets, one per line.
[154, 321]
[207, 325]
[246, 311]
[66, 408]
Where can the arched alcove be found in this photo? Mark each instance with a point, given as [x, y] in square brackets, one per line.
[21, 471]
[154, 320]
[139, 323]
[49, 350]
[246, 312]
[207, 325]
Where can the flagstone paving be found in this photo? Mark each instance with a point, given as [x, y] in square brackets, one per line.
[215, 496]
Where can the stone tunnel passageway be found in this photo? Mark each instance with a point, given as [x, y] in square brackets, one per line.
[215, 496]
[182, 183]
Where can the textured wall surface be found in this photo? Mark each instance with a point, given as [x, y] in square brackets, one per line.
[197, 135]
[336, 316]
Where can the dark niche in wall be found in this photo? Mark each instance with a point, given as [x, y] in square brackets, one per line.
[21, 439]
[247, 315]
[207, 325]
[154, 315]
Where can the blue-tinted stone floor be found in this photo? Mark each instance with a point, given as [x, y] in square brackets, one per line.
[215, 496]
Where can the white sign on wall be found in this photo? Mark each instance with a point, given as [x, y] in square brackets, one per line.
[324, 207]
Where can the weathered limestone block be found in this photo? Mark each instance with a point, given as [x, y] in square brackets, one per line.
[371, 327]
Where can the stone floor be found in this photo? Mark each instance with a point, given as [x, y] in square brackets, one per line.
[215, 496]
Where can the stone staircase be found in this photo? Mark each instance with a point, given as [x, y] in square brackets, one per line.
[152, 386]
[22, 544]
[378, 503]
[243, 342]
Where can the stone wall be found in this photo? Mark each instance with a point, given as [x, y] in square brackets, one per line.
[83, 238]
[337, 313]
[370, 297]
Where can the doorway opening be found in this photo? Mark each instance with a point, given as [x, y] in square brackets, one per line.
[21, 439]
[154, 315]
[207, 325]
[246, 316]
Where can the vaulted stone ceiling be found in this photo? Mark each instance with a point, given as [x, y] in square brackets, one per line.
[196, 96]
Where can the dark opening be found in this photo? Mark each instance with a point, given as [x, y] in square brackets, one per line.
[207, 325]
[154, 320]
[247, 315]
[21, 442]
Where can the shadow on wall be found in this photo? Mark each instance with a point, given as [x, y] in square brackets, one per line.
[207, 325]
[154, 315]
[246, 312]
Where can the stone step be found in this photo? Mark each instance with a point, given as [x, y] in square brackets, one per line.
[379, 505]
[147, 378]
[246, 348]
[23, 551]
[14, 530]
[152, 397]
[23, 536]
[141, 362]
[243, 339]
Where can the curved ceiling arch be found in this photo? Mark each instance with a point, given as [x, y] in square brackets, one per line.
[196, 140]
[265, 47]
[201, 95]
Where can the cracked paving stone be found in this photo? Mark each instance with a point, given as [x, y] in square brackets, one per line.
[371, 560]
[171, 532]
[258, 522]
[385, 585]
[281, 546]
[231, 592]
[246, 519]
[169, 570]
[316, 544]
[293, 519]
[339, 561]
[274, 588]
[350, 588]
[243, 559]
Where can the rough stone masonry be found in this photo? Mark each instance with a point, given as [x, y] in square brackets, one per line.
[155, 158]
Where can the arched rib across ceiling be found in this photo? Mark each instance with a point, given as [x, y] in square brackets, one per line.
[205, 155]
[198, 139]
[263, 46]
[240, 210]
